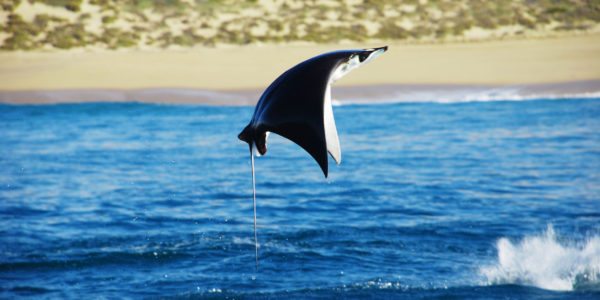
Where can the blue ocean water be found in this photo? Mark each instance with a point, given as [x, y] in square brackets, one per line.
[462, 200]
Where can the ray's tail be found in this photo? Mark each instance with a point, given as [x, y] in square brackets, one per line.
[254, 203]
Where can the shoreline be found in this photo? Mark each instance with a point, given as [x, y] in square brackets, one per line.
[386, 93]
[237, 75]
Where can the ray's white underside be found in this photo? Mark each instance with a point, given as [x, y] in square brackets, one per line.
[331, 135]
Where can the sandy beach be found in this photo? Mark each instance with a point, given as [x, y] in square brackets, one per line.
[237, 75]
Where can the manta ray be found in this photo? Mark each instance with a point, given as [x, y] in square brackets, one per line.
[297, 106]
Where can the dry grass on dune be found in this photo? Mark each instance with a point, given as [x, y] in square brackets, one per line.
[112, 24]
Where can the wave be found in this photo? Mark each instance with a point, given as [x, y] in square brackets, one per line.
[449, 93]
[465, 96]
[545, 262]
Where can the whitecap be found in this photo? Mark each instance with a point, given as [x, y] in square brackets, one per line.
[545, 262]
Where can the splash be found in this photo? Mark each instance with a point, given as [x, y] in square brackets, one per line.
[547, 263]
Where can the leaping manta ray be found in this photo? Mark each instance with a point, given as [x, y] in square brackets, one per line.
[297, 106]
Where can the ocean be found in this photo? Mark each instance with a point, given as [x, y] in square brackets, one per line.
[490, 199]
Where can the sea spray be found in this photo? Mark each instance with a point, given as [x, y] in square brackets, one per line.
[545, 262]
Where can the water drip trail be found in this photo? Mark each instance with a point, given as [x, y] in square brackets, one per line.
[254, 205]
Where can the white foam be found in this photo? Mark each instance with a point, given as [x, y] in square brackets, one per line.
[243, 241]
[460, 95]
[547, 263]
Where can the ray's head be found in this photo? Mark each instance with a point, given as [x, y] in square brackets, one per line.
[368, 55]
[356, 59]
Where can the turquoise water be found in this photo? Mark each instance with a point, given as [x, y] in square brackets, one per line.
[466, 200]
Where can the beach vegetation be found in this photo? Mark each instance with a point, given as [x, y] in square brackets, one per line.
[72, 5]
[443, 31]
[15, 23]
[557, 9]
[67, 36]
[188, 38]
[115, 38]
[275, 25]
[108, 19]
[19, 41]
[156, 5]
[84, 17]
[22, 34]
[41, 21]
[9, 5]
[462, 23]
[209, 42]
[103, 3]
[210, 22]
[390, 30]
[525, 21]
[420, 31]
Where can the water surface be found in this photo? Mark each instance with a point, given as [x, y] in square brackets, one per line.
[481, 199]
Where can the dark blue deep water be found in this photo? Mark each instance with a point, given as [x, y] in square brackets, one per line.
[464, 200]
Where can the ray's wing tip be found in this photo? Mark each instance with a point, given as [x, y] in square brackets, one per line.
[337, 158]
[384, 48]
